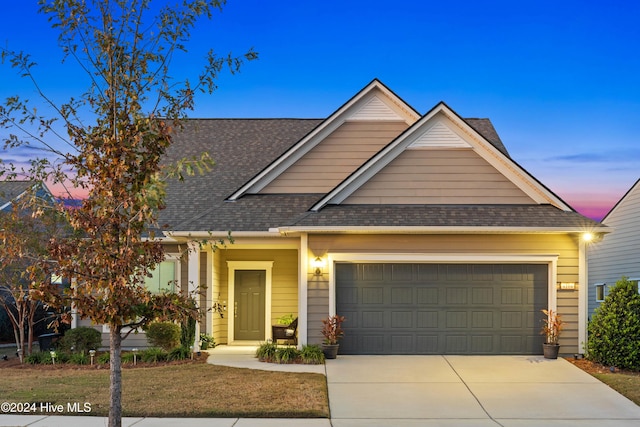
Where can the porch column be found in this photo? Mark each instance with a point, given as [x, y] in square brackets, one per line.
[303, 270]
[583, 284]
[193, 278]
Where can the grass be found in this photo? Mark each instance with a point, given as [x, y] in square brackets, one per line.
[192, 389]
[626, 384]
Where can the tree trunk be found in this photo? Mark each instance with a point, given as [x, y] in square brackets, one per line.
[115, 376]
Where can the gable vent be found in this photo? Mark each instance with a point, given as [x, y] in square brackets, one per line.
[375, 109]
[439, 135]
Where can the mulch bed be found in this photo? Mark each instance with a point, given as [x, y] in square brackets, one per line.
[596, 368]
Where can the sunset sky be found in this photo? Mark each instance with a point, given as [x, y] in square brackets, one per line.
[559, 80]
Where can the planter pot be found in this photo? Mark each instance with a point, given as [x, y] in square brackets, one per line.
[550, 351]
[330, 350]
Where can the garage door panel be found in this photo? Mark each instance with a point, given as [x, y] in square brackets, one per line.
[430, 309]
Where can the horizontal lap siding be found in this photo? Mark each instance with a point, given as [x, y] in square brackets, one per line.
[564, 246]
[284, 284]
[336, 157]
[439, 176]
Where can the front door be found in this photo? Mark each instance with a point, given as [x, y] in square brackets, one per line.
[249, 305]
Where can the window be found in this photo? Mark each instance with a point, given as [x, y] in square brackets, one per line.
[163, 278]
[635, 281]
[600, 291]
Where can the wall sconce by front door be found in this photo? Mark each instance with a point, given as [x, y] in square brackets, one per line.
[318, 265]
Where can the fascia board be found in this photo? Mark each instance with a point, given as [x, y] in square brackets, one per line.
[323, 130]
[374, 165]
[507, 166]
[440, 230]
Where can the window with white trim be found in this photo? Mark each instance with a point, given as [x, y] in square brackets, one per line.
[601, 289]
[163, 277]
[635, 281]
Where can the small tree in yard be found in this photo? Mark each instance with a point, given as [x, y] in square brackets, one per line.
[25, 231]
[135, 107]
[614, 330]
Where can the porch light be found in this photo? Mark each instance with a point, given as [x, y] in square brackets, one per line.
[317, 263]
[587, 237]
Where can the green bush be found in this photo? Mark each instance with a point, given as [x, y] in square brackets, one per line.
[104, 358]
[128, 357]
[153, 355]
[614, 331]
[287, 355]
[79, 359]
[165, 335]
[312, 354]
[206, 342]
[81, 339]
[266, 352]
[179, 353]
[38, 358]
[188, 332]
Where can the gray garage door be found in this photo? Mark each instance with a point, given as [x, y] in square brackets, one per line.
[405, 308]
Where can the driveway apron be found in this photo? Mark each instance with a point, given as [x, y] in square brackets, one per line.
[518, 391]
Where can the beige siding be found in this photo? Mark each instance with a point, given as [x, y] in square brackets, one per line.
[561, 245]
[439, 176]
[336, 157]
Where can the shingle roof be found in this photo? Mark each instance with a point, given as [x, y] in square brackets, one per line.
[9, 190]
[244, 147]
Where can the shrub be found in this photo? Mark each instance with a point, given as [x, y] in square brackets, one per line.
[312, 354]
[38, 358]
[179, 353]
[128, 357]
[165, 335]
[287, 355]
[266, 352]
[207, 342]
[105, 357]
[153, 355]
[188, 332]
[79, 358]
[81, 339]
[614, 331]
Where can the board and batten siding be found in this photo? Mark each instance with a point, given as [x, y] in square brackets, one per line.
[439, 176]
[284, 286]
[336, 157]
[618, 253]
[563, 245]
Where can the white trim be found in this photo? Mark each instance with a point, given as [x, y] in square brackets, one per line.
[550, 259]
[286, 231]
[209, 299]
[583, 306]
[232, 266]
[604, 291]
[303, 288]
[505, 165]
[193, 283]
[323, 130]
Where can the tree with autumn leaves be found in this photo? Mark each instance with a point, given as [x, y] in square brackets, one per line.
[119, 130]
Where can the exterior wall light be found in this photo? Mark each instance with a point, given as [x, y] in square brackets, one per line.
[317, 264]
[587, 237]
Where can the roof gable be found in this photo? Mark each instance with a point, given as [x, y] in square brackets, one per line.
[458, 134]
[375, 102]
[628, 205]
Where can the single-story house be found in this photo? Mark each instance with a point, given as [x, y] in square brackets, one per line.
[419, 228]
[618, 254]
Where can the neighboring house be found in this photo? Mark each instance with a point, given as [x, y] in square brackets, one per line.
[618, 254]
[420, 229]
[11, 191]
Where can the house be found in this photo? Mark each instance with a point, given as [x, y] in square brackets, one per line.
[420, 229]
[618, 254]
[11, 191]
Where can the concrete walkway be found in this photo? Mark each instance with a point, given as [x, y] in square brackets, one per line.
[411, 391]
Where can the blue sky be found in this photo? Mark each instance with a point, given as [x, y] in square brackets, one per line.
[559, 80]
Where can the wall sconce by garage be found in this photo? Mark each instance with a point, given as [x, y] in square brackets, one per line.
[567, 286]
[317, 264]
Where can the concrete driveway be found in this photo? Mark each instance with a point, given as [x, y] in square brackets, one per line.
[477, 391]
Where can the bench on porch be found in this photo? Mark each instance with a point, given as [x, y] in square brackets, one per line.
[285, 332]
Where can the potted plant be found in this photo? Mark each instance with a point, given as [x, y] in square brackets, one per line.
[551, 329]
[332, 332]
